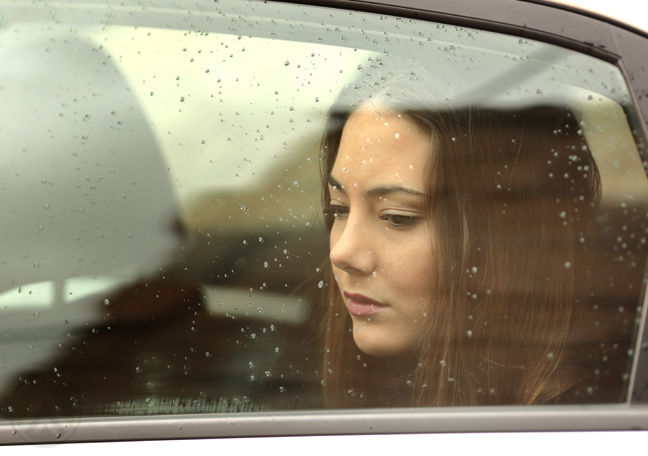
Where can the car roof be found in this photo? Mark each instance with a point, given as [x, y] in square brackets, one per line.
[627, 12]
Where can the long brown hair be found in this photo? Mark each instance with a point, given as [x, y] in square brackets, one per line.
[511, 194]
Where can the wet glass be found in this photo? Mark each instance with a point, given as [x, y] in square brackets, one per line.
[164, 249]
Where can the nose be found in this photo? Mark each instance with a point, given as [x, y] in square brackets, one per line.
[351, 250]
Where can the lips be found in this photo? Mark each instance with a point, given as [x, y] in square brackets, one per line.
[361, 306]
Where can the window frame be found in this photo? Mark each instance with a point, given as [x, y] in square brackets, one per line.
[594, 35]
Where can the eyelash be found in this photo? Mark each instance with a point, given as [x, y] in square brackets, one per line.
[395, 220]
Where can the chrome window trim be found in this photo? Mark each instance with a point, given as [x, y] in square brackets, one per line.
[611, 417]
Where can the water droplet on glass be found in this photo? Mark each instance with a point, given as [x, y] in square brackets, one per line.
[360, 67]
[107, 302]
[287, 62]
[469, 333]
[266, 265]
[320, 284]
[567, 265]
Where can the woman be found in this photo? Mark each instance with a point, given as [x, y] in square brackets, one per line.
[458, 246]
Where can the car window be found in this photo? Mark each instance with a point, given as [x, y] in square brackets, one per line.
[250, 207]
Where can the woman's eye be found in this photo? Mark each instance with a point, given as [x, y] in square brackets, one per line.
[336, 211]
[400, 220]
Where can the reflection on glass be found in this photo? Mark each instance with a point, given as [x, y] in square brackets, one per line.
[168, 254]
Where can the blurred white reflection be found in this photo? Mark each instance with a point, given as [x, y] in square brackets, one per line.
[39, 295]
[224, 301]
[82, 287]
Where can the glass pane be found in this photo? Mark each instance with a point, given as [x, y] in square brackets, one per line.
[165, 244]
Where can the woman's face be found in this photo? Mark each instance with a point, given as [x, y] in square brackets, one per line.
[380, 240]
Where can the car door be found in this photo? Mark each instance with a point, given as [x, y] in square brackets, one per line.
[165, 264]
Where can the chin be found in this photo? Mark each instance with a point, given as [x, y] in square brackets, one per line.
[373, 343]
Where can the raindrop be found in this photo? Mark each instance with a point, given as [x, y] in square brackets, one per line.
[469, 333]
[287, 62]
[282, 389]
[107, 302]
[261, 239]
[276, 349]
[474, 269]
[266, 265]
[320, 284]
[567, 265]
[316, 99]
[182, 99]
[243, 208]
[360, 67]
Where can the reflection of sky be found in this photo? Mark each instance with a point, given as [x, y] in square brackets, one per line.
[226, 111]
[230, 111]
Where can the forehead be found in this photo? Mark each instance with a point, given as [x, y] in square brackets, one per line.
[382, 147]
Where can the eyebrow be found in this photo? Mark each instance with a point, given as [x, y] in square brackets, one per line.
[378, 191]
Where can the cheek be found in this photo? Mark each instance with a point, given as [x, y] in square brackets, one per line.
[416, 268]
